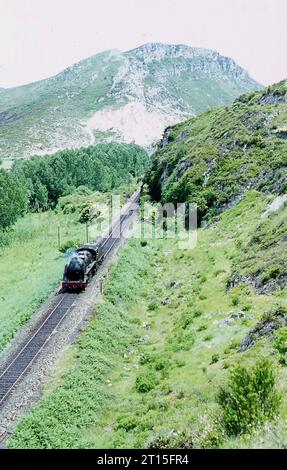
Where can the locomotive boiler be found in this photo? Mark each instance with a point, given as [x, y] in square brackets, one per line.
[82, 266]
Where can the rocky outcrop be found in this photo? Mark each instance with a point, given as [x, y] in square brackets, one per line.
[273, 97]
[269, 323]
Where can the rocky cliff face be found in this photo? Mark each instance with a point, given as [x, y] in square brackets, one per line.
[130, 97]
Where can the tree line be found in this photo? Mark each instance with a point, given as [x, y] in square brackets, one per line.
[37, 183]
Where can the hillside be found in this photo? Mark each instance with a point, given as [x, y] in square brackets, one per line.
[213, 159]
[163, 340]
[130, 96]
[187, 348]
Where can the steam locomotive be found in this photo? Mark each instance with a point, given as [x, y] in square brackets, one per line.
[82, 267]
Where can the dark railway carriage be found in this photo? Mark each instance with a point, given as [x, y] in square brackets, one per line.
[82, 267]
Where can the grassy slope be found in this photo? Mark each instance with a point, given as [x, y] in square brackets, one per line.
[59, 103]
[214, 158]
[182, 349]
[31, 265]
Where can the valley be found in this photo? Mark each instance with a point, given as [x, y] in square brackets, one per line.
[186, 347]
[147, 370]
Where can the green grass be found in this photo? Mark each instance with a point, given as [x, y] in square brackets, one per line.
[146, 373]
[212, 159]
[31, 265]
[263, 258]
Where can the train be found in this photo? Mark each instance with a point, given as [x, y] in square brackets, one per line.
[87, 258]
[82, 266]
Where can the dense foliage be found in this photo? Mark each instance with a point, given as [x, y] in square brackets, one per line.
[101, 167]
[213, 159]
[250, 397]
[37, 183]
[13, 198]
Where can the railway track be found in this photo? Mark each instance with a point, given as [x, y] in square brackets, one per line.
[21, 362]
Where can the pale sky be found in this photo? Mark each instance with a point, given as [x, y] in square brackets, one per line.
[39, 38]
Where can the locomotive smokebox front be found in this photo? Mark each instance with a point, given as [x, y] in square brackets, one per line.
[76, 269]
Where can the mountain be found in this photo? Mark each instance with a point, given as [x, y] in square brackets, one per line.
[130, 96]
[214, 158]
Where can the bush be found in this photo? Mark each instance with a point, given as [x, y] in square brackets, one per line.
[171, 440]
[161, 363]
[235, 300]
[280, 344]
[214, 358]
[185, 320]
[202, 328]
[152, 305]
[146, 381]
[182, 341]
[249, 398]
[127, 423]
[69, 244]
[208, 338]
[156, 361]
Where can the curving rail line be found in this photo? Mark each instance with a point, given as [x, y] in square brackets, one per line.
[24, 357]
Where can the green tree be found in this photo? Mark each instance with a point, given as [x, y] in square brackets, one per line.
[13, 198]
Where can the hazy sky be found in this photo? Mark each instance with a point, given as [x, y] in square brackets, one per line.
[39, 38]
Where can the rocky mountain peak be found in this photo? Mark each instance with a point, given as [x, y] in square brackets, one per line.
[124, 96]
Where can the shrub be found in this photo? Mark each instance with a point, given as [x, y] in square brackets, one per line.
[88, 213]
[235, 344]
[69, 244]
[183, 341]
[157, 361]
[126, 422]
[146, 381]
[280, 344]
[272, 272]
[235, 300]
[208, 338]
[152, 305]
[219, 271]
[179, 362]
[202, 328]
[171, 440]
[161, 363]
[214, 358]
[249, 398]
[145, 358]
[185, 319]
